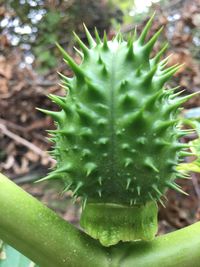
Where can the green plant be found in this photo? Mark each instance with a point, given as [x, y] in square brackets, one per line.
[116, 145]
[117, 138]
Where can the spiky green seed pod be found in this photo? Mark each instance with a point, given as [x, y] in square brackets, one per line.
[116, 142]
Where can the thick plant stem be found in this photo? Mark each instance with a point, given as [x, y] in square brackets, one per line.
[177, 249]
[41, 235]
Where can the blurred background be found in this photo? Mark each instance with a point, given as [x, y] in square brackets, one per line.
[29, 61]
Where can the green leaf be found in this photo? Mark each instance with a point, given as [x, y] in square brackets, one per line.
[195, 148]
[187, 167]
[9, 257]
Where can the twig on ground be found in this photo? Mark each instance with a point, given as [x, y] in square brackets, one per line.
[26, 143]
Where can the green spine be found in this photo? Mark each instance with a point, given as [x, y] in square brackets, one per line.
[117, 136]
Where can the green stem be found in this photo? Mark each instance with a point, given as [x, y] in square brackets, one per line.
[41, 235]
[48, 240]
[177, 249]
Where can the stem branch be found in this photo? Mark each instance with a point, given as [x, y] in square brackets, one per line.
[38, 233]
